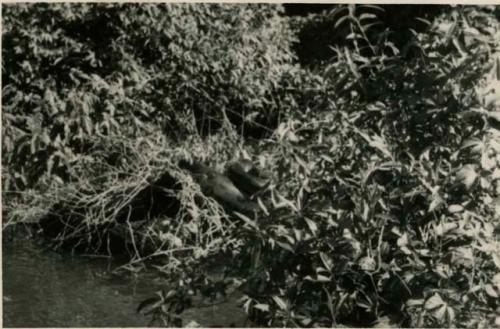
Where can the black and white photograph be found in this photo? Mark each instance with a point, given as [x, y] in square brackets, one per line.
[250, 165]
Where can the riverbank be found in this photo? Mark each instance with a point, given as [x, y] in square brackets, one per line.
[42, 288]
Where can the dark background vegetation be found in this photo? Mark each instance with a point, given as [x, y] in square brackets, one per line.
[378, 126]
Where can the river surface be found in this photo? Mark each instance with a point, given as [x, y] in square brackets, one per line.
[42, 288]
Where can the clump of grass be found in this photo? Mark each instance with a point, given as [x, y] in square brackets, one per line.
[132, 197]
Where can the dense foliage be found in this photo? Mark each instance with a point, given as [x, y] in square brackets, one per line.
[383, 152]
[75, 73]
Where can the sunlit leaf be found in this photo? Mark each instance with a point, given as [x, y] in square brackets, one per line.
[247, 220]
[436, 202]
[192, 324]
[488, 288]
[285, 246]
[262, 307]
[327, 260]
[467, 175]
[280, 302]
[312, 225]
[454, 208]
[434, 302]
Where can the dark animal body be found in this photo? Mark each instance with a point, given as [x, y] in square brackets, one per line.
[246, 177]
[232, 192]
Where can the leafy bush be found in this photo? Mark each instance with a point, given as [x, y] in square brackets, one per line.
[382, 202]
[390, 189]
[383, 157]
[74, 73]
[339, 25]
[90, 89]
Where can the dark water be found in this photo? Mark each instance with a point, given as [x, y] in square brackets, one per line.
[42, 288]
